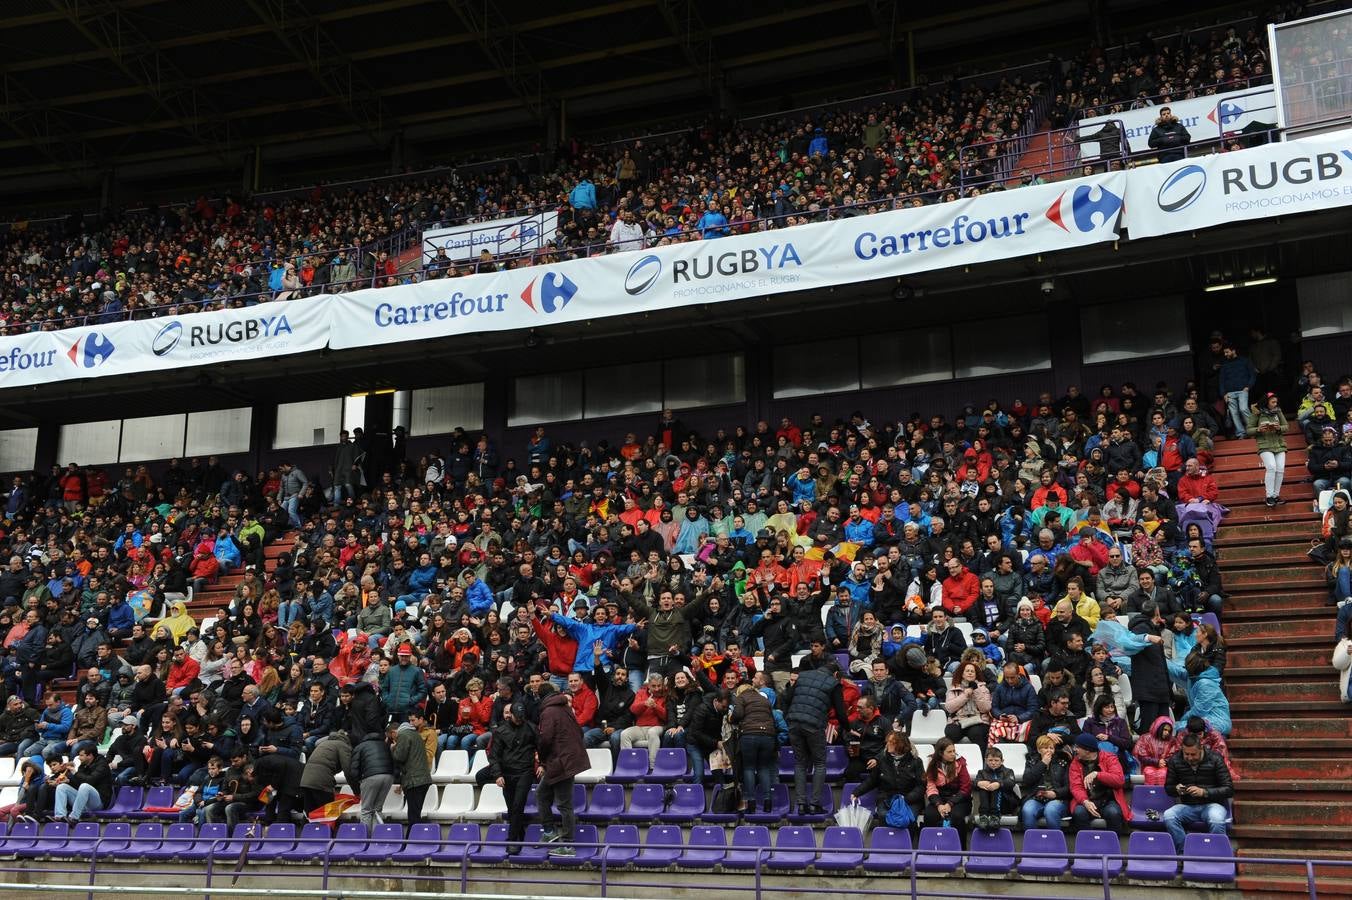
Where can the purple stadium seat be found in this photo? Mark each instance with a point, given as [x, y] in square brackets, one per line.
[350, 839]
[620, 834]
[645, 803]
[708, 844]
[278, 838]
[115, 840]
[51, 838]
[671, 765]
[458, 841]
[607, 802]
[488, 853]
[687, 805]
[843, 660]
[837, 758]
[842, 849]
[786, 760]
[661, 849]
[1218, 869]
[125, 802]
[746, 839]
[178, 839]
[847, 792]
[1044, 840]
[935, 840]
[779, 807]
[1151, 857]
[630, 766]
[1090, 848]
[582, 836]
[312, 843]
[387, 839]
[533, 852]
[990, 852]
[245, 832]
[83, 837]
[579, 801]
[795, 848]
[882, 839]
[828, 803]
[718, 818]
[20, 836]
[164, 795]
[1144, 799]
[424, 842]
[209, 836]
[146, 837]
[1209, 618]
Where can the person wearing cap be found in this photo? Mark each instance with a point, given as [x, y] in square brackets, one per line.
[512, 767]
[1097, 786]
[404, 686]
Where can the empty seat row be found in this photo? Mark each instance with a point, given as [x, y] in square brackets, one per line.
[1150, 856]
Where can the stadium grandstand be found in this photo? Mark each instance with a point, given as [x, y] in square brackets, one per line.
[459, 448]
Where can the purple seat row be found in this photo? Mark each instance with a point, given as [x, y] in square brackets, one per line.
[1150, 855]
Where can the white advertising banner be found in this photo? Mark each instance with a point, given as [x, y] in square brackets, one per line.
[152, 345]
[1204, 117]
[1039, 219]
[1308, 175]
[498, 236]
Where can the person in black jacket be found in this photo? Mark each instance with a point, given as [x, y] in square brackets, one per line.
[282, 773]
[1150, 686]
[1169, 136]
[89, 789]
[1200, 780]
[705, 732]
[615, 696]
[366, 715]
[810, 698]
[779, 633]
[896, 772]
[511, 765]
[1046, 784]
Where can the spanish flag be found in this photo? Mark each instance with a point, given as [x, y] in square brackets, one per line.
[329, 813]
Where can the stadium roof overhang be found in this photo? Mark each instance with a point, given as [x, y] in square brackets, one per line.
[144, 91]
[1126, 272]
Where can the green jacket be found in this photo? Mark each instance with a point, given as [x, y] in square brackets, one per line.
[1274, 441]
[410, 755]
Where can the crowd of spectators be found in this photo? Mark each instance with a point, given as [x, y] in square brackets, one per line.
[657, 581]
[934, 144]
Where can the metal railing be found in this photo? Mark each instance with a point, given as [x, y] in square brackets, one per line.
[1206, 90]
[224, 868]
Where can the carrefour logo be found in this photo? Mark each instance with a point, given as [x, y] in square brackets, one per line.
[1181, 189]
[90, 350]
[642, 275]
[1227, 111]
[164, 343]
[556, 289]
[515, 236]
[1084, 206]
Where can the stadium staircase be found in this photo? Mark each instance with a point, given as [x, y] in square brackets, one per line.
[206, 603]
[1291, 735]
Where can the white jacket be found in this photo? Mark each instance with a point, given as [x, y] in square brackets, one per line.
[627, 235]
[1342, 661]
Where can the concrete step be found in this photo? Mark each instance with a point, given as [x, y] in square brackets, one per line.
[1275, 577]
[1302, 638]
[1291, 553]
[1273, 811]
[1261, 746]
[1266, 533]
[1321, 655]
[1258, 514]
[1295, 768]
[1295, 493]
[1297, 710]
[1296, 734]
[1244, 674]
[1249, 462]
[1280, 630]
[1260, 602]
[1289, 692]
[1231, 473]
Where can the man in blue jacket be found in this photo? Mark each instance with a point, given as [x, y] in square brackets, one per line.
[1237, 375]
[52, 727]
[583, 195]
[1015, 701]
[588, 633]
[121, 618]
[478, 595]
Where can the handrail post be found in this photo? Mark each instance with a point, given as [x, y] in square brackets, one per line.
[1309, 879]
